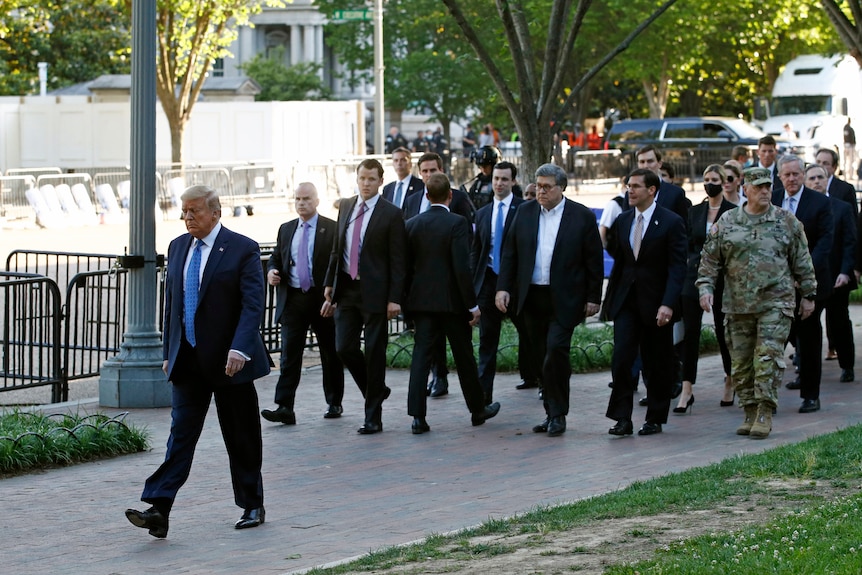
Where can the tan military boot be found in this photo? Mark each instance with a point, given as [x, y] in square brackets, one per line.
[750, 416]
[762, 422]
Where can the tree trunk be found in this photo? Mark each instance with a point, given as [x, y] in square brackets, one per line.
[535, 151]
[177, 126]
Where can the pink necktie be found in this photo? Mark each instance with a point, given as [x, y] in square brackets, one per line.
[357, 236]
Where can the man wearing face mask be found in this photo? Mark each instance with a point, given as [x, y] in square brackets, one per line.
[700, 219]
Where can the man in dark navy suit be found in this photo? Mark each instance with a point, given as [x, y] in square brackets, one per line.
[835, 186]
[552, 273]
[486, 254]
[648, 244]
[214, 300]
[297, 269]
[407, 184]
[441, 302]
[364, 286]
[814, 211]
[669, 195]
[430, 164]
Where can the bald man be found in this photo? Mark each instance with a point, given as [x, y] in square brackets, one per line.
[297, 269]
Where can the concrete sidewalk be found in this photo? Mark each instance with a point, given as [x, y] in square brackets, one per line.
[332, 494]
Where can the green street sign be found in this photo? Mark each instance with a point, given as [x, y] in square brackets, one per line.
[343, 15]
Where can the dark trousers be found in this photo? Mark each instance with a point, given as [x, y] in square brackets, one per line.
[839, 329]
[237, 408]
[809, 347]
[655, 344]
[301, 311]
[551, 343]
[490, 324]
[692, 316]
[433, 327]
[367, 368]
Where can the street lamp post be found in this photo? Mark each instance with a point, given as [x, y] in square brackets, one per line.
[134, 378]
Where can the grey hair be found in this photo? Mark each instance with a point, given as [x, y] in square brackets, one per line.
[554, 171]
[786, 159]
[202, 191]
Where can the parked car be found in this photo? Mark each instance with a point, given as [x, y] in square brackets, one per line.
[689, 144]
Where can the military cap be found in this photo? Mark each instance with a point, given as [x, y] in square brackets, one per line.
[758, 176]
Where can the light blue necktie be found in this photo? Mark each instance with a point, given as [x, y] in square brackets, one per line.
[190, 300]
[791, 204]
[302, 259]
[398, 190]
[498, 238]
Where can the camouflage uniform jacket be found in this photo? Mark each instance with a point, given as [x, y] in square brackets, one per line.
[762, 258]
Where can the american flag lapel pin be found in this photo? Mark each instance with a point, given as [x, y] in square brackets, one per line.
[221, 249]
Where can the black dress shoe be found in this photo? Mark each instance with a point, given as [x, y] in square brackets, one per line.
[676, 390]
[280, 415]
[542, 427]
[643, 402]
[649, 428]
[370, 428]
[623, 427]
[527, 384]
[151, 519]
[557, 426]
[487, 412]
[795, 384]
[847, 375]
[419, 426]
[440, 387]
[541, 392]
[333, 412]
[251, 518]
[809, 406]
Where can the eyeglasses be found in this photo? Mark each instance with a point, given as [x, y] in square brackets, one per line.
[545, 187]
[730, 179]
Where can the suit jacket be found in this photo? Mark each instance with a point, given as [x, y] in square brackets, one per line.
[414, 186]
[658, 273]
[577, 271]
[230, 307]
[843, 254]
[815, 212]
[460, 204]
[281, 261]
[438, 275]
[696, 232]
[481, 248]
[841, 190]
[672, 197]
[381, 261]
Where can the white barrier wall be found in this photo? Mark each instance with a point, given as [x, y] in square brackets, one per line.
[73, 133]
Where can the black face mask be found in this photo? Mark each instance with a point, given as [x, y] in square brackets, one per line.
[712, 190]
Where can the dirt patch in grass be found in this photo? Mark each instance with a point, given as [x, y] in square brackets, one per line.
[591, 547]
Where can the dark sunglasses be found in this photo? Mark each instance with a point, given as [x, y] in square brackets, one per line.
[730, 179]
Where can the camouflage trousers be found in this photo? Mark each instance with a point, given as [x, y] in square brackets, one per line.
[756, 342]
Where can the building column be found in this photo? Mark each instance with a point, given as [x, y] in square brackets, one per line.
[308, 54]
[295, 45]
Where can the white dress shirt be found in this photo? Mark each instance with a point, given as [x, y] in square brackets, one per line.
[549, 227]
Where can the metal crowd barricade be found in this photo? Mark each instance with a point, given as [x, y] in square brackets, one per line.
[254, 182]
[59, 266]
[35, 172]
[13, 197]
[31, 341]
[176, 180]
[601, 166]
[96, 307]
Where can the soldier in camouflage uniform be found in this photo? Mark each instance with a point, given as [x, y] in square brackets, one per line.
[761, 250]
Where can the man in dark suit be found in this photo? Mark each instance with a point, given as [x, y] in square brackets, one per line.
[835, 186]
[552, 265]
[766, 153]
[669, 195]
[407, 184]
[298, 268]
[485, 255]
[364, 286]
[648, 245]
[815, 213]
[214, 300]
[430, 164]
[441, 301]
[839, 328]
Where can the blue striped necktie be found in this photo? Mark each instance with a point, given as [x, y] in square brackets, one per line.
[191, 292]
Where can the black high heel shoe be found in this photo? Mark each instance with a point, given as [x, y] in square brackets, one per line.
[723, 403]
[688, 405]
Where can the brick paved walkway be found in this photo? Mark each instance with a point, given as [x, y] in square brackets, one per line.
[332, 494]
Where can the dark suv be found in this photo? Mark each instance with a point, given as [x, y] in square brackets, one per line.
[690, 144]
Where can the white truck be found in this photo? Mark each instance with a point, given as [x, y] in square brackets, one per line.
[815, 96]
